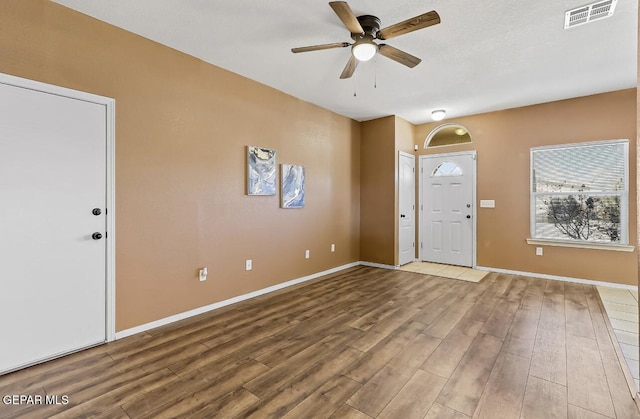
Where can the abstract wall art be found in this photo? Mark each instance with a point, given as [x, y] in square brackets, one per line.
[292, 186]
[262, 173]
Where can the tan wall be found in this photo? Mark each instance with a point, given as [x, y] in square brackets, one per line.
[381, 141]
[182, 128]
[377, 191]
[503, 140]
[405, 135]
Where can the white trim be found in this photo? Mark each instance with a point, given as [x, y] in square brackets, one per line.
[581, 144]
[200, 310]
[377, 265]
[53, 89]
[581, 245]
[474, 209]
[560, 278]
[111, 220]
[109, 105]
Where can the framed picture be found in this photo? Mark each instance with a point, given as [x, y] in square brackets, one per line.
[292, 187]
[261, 166]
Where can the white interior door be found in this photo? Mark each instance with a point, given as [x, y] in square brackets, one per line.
[447, 183]
[406, 208]
[52, 272]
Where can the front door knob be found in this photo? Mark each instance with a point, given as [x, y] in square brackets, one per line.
[96, 236]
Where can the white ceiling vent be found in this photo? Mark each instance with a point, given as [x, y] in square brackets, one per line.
[589, 13]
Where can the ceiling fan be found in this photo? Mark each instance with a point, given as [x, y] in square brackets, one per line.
[364, 29]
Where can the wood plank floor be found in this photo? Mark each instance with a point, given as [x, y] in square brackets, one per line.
[361, 343]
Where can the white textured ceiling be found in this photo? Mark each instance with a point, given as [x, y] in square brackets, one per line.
[484, 56]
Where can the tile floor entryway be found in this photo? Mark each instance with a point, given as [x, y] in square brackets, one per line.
[621, 306]
[445, 271]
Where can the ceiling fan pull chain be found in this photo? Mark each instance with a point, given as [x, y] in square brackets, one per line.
[375, 73]
[353, 80]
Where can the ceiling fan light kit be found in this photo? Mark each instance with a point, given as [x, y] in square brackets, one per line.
[365, 29]
[364, 49]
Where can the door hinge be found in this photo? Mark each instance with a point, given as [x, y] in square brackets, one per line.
[413, 244]
[420, 245]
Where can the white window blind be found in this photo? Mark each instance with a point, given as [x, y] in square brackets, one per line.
[579, 192]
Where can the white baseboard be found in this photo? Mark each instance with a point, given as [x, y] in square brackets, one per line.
[220, 304]
[560, 278]
[378, 265]
[200, 310]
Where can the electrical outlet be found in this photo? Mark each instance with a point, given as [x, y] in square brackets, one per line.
[306, 254]
[538, 251]
[333, 247]
[203, 274]
[248, 265]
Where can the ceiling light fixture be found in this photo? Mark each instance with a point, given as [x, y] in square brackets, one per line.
[438, 115]
[364, 49]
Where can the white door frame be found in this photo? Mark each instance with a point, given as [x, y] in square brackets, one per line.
[399, 221]
[474, 211]
[109, 104]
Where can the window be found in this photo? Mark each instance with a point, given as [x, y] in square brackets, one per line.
[447, 169]
[447, 134]
[580, 193]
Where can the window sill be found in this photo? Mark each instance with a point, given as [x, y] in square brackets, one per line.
[597, 246]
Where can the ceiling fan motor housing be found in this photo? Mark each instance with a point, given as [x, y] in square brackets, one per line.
[371, 26]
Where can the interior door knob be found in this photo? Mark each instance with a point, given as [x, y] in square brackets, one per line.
[468, 216]
[96, 236]
[96, 211]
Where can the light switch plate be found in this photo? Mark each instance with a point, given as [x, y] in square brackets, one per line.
[487, 203]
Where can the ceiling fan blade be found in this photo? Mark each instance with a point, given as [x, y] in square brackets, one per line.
[321, 47]
[419, 22]
[346, 15]
[397, 55]
[349, 68]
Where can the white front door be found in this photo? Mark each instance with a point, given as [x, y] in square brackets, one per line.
[406, 208]
[52, 266]
[447, 183]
